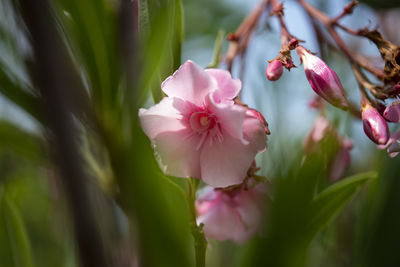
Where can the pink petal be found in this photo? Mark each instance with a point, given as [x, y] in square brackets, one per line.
[230, 116]
[190, 82]
[176, 153]
[163, 117]
[251, 209]
[222, 221]
[254, 133]
[226, 163]
[228, 88]
[340, 163]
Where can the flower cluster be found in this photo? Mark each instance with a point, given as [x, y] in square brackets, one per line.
[199, 131]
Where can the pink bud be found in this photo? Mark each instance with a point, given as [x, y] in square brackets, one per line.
[392, 112]
[323, 80]
[375, 126]
[274, 70]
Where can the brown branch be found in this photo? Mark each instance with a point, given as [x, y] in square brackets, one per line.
[240, 38]
[330, 24]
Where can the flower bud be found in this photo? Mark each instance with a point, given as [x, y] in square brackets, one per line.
[392, 112]
[323, 80]
[375, 126]
[274, 70]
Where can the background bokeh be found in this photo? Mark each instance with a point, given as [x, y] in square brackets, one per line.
[141, 217]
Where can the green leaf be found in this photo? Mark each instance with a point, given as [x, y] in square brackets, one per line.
[20, 97]
[21, 142]
[15, 249]
[331, 201]
[162, 45]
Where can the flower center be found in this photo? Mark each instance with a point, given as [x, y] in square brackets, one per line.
[202, 121]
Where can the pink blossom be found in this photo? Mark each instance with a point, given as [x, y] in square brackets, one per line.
[317, 133]
[198, 131]
[235, 214]
[341, 159]
[323, 80]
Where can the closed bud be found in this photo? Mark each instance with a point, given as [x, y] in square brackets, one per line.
[274, 70]
[375, 126]
[392, 112]
[323, 80]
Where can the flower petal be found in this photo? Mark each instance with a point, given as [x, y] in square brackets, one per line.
[228, 88]
[221, 221]
[230, 116]
[176, 153]
[163, 117]
[226, 163]
[251, 209]
[190, 82]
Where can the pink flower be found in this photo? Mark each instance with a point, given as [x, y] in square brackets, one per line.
[274, 70]
[235, 215]
[375, 126]
[198, 131]
[317, 133]
[341, 159]
[323, 80]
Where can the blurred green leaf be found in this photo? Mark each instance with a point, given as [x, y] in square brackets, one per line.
[20, 97]
[90, 30]
[21, 142]
[15, 250]
[331, 201]
[161, 46]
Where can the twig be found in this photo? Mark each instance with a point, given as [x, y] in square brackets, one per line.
[240, 38]
[330, 25]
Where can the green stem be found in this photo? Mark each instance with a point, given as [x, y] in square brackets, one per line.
[200, 243]
[217, 49]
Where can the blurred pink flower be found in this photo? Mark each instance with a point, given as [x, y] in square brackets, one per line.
[317, 133]
[323, 80]
[198, 131]
[341, 160]
[235, 215]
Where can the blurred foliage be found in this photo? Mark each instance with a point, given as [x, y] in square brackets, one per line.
[142, 215]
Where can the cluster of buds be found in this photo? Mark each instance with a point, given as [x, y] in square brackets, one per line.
[375, 123]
